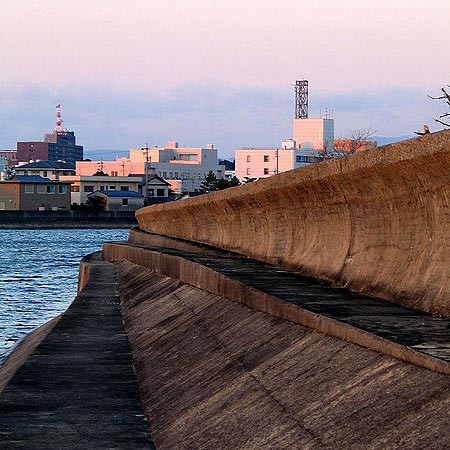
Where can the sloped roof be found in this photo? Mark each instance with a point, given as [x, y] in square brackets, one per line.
[118, 194]
[31, 179]
[46, 165]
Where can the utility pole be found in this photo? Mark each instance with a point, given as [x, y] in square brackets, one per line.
[146, 172]
[277, 156]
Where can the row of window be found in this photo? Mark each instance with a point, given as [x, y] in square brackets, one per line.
[91, 188]
[45, 189]
[266, 158]
[159, 193]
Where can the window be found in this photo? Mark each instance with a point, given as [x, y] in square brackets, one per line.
[160, 192]
[75, 188]
[170, 175]
[114, 173]
[29, 189]
[50, 189]
[266, 171]
[102, 188]
[89, 188]
[164, 175]
[301, 159]
[248, 171]
[124, 202]
[176, 175]
[124, 188]
[41, 189]
[62, 189]
[44, 173]
[151, 192]
[112, 188]
[266, 158]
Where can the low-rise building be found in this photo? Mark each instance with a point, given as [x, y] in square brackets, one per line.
[10, 155]
[183, 167]
[34, 193]
[47, 169]
[265, 162]
[82, 186]
[117, 200]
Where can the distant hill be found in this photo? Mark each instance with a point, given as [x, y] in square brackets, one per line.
[383, 140]
[229, 164]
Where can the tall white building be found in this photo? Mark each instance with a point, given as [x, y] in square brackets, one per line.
[313, 134]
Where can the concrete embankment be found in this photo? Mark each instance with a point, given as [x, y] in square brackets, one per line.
[77, 389]
[376, 222]
[215, 374]
[66, 219]
[403, 333]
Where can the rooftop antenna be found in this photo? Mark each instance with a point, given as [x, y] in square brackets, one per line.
[301, 99]
[58, 117]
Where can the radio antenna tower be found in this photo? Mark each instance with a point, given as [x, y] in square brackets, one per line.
[301, 99]
[58, 117]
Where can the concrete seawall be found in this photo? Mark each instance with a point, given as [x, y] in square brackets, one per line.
[376, 222]
[66, 219]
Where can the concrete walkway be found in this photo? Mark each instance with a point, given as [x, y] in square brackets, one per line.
[78, 389]
[408, 327]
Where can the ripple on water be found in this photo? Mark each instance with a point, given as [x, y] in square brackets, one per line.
[39, 276]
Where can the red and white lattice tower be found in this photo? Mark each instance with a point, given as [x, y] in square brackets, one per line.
[58, 117]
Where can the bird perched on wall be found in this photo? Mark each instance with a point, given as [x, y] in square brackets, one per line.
[426, 130]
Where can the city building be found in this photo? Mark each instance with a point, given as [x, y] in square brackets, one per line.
[353, 145]
[265, 162]
[60, 145]
[310, 138]
[183, 167]
[82, 186]
[313, 134]
[10, 156]
[117, 200]
[47, 169]
[34, 193]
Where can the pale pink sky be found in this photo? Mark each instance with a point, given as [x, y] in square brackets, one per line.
[158, 47]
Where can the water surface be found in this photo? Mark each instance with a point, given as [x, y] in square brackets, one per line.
[39, 275]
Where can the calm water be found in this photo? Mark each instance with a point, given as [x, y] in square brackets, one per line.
[39, 275]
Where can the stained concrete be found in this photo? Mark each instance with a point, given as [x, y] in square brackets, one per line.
[406, 327]
[215, 374]
[78, 389]
[376, 222]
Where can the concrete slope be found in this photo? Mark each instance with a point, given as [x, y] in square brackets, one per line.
[377, 222]
[215, 374]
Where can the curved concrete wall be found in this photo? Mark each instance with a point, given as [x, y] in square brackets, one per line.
[376, 222]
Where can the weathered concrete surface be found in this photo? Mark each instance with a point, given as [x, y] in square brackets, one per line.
[23, 351]
[78, 389]
[377, 222]
[403, 333]
[215, 374]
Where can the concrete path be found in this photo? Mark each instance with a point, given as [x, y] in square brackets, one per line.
[78, 389]
[408, 327]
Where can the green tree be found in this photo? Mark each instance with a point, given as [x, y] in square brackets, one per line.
[210, 183]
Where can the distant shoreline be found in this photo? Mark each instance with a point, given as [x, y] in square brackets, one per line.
[18, 220]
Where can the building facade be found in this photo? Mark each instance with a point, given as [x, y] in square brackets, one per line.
[313, 134]
[47, 169]
[34, 193]
[183, 167]
[117, 200]
[264, 162]
[57, 146]
[82, 186]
